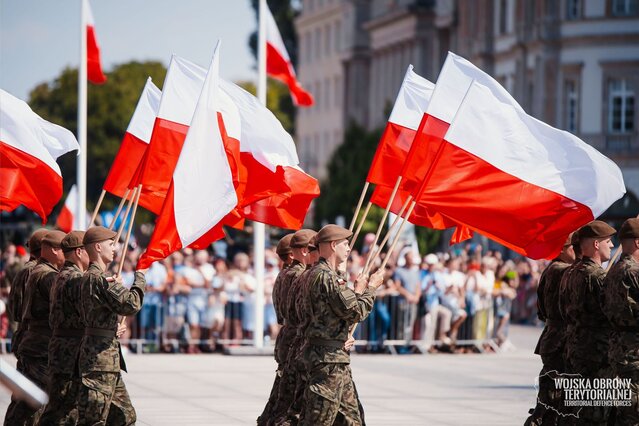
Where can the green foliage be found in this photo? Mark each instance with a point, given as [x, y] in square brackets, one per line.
[110, 107]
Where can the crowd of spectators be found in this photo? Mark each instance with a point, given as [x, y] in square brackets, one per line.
[198, 302]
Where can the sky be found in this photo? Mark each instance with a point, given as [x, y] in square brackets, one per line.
[39, 38]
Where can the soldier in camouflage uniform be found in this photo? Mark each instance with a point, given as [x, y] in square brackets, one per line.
[301, 260]
[67, 331]
[103, 398]
[587, 342]
[33, 351]
[621, 306]
[285, 254]
[334, 308]
[552, 340]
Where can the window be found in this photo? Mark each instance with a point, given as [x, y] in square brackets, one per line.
[318, 42]
[503, 16]
[308, 39]
[571, 106]
[337, 91]
[338, 35]
[625, 7]
[573, 9]
[327, 42]
[621, 107]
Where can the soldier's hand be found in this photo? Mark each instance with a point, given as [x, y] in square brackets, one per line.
[144, 271]
[360, 283]
[121, 329]
[376, 279]
[348, 345]
[116, 279]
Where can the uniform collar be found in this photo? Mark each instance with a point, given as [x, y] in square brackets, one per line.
[44, 261]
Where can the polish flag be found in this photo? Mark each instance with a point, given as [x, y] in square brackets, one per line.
[94, 66]
[29, 174]
[516, 179]
[279, 66]
[202, 191]
[135, 141]
[67, 220]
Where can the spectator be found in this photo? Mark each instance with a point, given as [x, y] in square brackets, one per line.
[197, 300]
[217, 301]
[177, 292]
[504, 293]
[436, 318]
[453, 297]
[247, 284]
[380, 319]
[151, 321]
[407, 283]
[270, 317]
[233, 308]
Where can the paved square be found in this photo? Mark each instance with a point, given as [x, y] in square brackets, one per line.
[487, 389]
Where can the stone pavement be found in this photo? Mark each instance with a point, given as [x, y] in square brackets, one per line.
[441, 389]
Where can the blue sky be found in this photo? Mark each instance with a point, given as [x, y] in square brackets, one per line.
[38, 38]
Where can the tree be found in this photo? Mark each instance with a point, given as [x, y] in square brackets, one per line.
[110, 107]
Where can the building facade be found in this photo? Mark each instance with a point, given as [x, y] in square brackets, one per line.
[571, 63]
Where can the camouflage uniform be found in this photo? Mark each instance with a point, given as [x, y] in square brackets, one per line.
[267, 415]
[330, 394]
[33, 349]
[103, 398]
[587, 344]
[551, 342]
[288, 346]
[15, 305]
[621, 306]
[66, 322]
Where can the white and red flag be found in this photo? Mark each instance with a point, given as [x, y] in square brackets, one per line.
[68, 220]
[202, 191]
[30, 145]
[135, 141]
[516, 179]
[94, 66]
[279, 65]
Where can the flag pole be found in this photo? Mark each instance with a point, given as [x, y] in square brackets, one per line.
[381, 223]
[259, 229]
[117, 212]
[388, 234]
[126, 213]
[81, 175]
[359, 206]
[361, 223]
[97, 208]
[128, 232]
[399, 232]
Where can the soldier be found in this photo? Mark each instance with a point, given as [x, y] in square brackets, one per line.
[551, 342]
[587, 343]
[620, 304]
[334, 308]
[103, 398]
[34, 346]
[67, 327]
[301, 260]
[285, 254]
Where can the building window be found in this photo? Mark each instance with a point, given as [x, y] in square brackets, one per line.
[318, 43]
[327, 42]
[338, 35]
[621, 107]
[327, 93]
[625, 7]
[308, 39]
[573, 9]
[571, 94]
[503, 16]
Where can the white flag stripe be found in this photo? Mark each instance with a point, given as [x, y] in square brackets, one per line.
[524, 147]
[274, 37]
[141, 124]
[412, 100]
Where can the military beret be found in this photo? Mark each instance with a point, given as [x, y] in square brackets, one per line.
[332, 233]
[284, 246]
[629, 229]
[574, 238]
[35, 241]
[312, 245]
[98, 233]
[596, 229]
[53, 239]
[302, 237]
[72, 241]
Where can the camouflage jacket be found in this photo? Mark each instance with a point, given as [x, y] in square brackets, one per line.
[101, 303]
[620, 304]
[65, 320]
[15, 305]
[36, 310]
[333, 309]
[552, 338]
[292, 281]
[277, 290]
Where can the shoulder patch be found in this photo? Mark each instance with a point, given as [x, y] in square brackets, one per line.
[348, 297]
[116, 291]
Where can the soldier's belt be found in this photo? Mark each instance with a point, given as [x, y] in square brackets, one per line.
[100, 332]
[45, 331]
[337, 344]
[68, 332]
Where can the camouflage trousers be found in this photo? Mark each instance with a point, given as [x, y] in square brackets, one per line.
[19, 412]
[62, 408]
[626, 416]
[267, 418]
[104, 400]
[331, 397]
[549, 399]
[591, 369]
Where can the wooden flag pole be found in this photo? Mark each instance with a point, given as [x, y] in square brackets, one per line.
[615, 256]
[381, 223]
[117, 213]
[399, 232]
[388, 234]
[128, 233]
[97, 208]
[126, 213]
[359, 206]
[359, 227]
